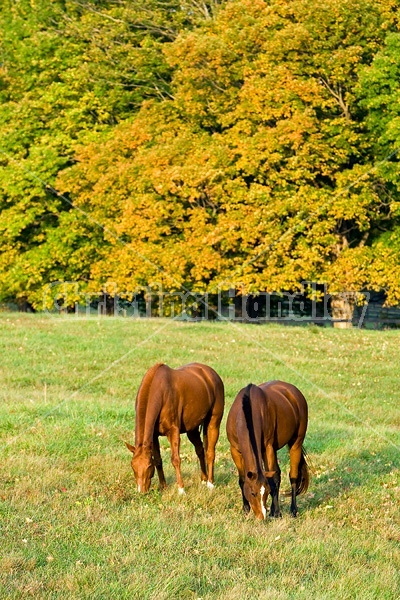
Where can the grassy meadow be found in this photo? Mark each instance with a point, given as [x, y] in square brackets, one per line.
[73, 526]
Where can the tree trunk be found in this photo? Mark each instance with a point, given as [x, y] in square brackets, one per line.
[342, 306]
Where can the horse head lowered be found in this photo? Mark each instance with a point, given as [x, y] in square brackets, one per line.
[143, 466]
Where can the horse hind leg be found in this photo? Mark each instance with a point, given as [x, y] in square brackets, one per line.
[298, 474]
[195, 439]
[210, 437]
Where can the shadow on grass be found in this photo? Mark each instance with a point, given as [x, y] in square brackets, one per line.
[364, 465]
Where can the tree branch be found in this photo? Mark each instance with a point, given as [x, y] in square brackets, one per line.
[339, 97]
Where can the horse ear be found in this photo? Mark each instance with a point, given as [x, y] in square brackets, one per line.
[130, 447]
[251, 475]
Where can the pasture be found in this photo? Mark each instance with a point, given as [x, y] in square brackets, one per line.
[73, 525]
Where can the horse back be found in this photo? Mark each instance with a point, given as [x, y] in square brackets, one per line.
[287, 412]
[198, 392]
[185, 396]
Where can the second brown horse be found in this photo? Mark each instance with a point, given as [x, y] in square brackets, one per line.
[262, 420]
[170, 402]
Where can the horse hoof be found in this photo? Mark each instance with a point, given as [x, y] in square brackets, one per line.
[181, 491]
[210, 485]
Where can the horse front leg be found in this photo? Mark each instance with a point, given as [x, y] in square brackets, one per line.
[246, 505]
[158, 462]
[174, 441]
[274, 484]
[239, 462]
[273, 476]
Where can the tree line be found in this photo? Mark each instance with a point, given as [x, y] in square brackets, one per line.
[199, 145]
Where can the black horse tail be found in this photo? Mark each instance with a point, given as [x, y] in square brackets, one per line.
[303, 479]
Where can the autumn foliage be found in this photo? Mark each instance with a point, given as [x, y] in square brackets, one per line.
[200, 144]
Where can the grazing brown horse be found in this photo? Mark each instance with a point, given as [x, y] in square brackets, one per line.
[262, 420]
[170, 402]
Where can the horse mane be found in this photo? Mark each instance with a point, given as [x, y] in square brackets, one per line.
[248, 416]
[142, 400]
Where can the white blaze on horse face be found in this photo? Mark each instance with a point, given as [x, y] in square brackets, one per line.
[262, 492]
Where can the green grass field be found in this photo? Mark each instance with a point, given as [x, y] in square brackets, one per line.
[73, 525]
